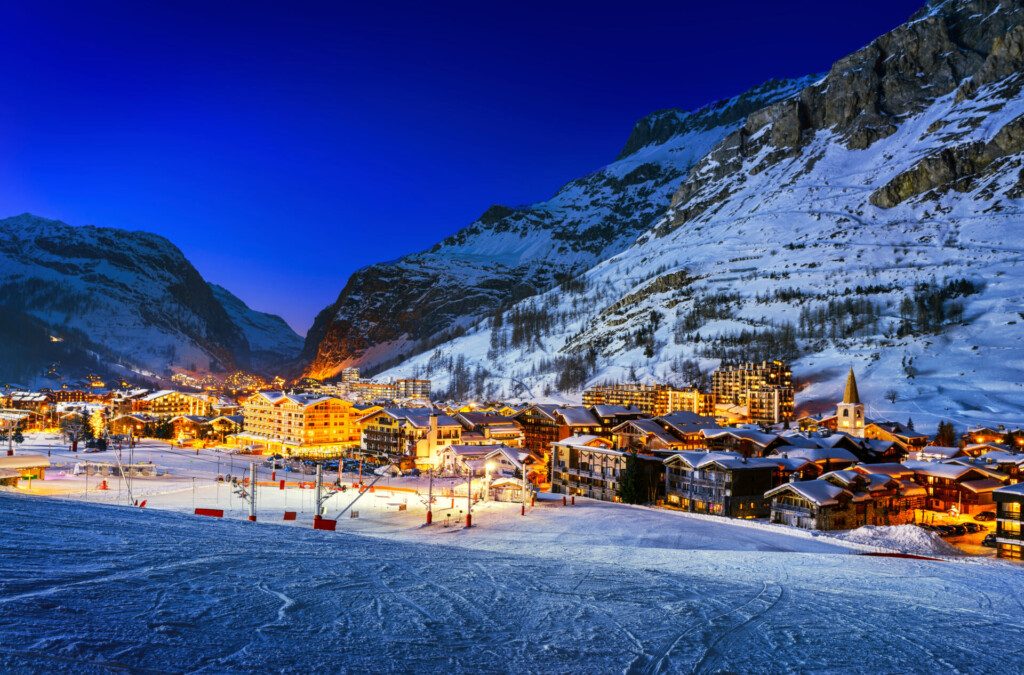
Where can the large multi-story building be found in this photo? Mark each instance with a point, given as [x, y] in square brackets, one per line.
[168, 402]
[350, 375]
[765, 389]
[412, 388]
[543, 424]
[721, 484]
[653, 399]
[300, 424]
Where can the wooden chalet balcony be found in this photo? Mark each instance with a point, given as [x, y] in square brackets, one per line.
[789, 508]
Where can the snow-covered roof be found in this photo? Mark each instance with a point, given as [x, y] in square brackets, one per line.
[686, 422]
[818, 454]
[940, 451]
[756, 437]
[648, 426]
[894, 469]
[606, 410]
[952, 470]
[578, 417]
[819, 492]
[982, 485]
[697, 458]
[23, 461]
[585, 440]
[1015, 489]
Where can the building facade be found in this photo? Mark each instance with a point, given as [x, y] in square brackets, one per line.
[300, 424]
[1009, 503]
[765, 389]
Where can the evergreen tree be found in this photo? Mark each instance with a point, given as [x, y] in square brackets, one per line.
[631, 481]
[910, 424]
[945, 435]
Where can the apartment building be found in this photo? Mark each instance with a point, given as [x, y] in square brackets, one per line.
[170, 403]
[588, 466]
[765, 389]
[412, 388]
[652, 399]
[718, 483]
[300, 424]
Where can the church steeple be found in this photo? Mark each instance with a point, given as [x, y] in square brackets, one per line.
[851, 395]
[850, 413]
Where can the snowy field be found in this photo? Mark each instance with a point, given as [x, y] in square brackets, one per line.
[596, 587]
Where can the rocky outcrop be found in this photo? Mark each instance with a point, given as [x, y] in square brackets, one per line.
[957, 168]
[865, 95]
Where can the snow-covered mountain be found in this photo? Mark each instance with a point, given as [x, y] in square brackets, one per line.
[92, 299]
[872, 219]
[399, 308]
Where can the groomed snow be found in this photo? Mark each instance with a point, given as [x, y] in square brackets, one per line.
[595, 586]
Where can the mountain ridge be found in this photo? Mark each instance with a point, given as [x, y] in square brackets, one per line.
[127, 300]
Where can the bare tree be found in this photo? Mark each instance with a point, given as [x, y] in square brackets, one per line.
[73, 429]
[891, 396]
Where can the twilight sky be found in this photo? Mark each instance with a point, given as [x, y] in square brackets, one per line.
[281, 145]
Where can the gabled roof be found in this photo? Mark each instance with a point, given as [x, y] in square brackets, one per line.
[585, 440]
[819, 492]
[685, 422]
[647, 426]
[950, 470]
[756, 437]
[577, 417]
[23, 461]
[697, 458]
[606, 410]
[893, 469]
[1015, 489]
[818, 454]
[982, 485]
[940, 451]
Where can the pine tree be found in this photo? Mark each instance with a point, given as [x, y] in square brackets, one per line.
[631, 481]
[945, 435]
[910, 424]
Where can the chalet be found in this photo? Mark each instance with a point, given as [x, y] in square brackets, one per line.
[412, 436]
[1011, 464]
[544, 424]
[589, 466]
[719, 483]
[746, 442]
[904, 436]
[937, 453]
[190, 427]
[794, 468]
[980, 435]
[954, 487]
[688, 426]
[827, 459]
[979, 449]
[485, 428]
[646, 434]
[484, 460]
[223, 425]
[1009, 503]
[812, 505]
[133, 424]
[612, 416]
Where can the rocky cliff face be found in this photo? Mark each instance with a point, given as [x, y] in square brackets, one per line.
[872, 219]
[94, 297]
[391, 310]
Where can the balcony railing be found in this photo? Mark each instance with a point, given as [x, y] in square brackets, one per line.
[801, 510]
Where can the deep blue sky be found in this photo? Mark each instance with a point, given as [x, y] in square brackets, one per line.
[282, 145]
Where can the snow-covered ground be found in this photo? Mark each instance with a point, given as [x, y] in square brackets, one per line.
[595, 586]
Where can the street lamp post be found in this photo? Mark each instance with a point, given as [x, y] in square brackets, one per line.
[430, 496]
[469, 500]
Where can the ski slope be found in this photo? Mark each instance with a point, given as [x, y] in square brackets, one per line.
[93, 588]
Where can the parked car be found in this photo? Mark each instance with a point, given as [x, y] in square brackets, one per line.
[989, 540]
[944, 530]
[985, 516]
[958, 530]
[974, 528]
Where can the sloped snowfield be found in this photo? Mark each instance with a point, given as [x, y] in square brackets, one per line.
[93, 588]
